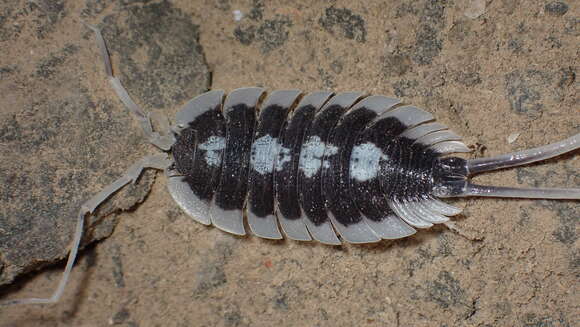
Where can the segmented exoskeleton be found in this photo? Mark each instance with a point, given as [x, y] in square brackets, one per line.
[311, 167]
[314, 166]
[364, 167]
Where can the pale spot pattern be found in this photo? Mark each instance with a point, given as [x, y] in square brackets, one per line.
[364, 161]
[284, 156]
[265, 151]
[311, 157]
[213, 147]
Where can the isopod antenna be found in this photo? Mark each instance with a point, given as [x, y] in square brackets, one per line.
[452, 174]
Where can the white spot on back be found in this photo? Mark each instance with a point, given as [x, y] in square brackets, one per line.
[283, 157]
[364, 161]
[265, 152]
[330, 150]
[311, 156]
[212, 147]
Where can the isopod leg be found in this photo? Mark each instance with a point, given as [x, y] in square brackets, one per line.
[164, 141]
[156, 161]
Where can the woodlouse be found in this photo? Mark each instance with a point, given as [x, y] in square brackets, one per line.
[316, 165]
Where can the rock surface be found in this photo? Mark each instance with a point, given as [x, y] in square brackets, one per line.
[510, 68]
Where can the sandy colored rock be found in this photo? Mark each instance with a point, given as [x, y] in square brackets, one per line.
[512, 69]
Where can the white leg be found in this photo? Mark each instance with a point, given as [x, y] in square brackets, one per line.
[160, 161]
[165, 141]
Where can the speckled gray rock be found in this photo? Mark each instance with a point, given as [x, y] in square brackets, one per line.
[54, 152]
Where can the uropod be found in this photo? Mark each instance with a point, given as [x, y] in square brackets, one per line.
[317, 166]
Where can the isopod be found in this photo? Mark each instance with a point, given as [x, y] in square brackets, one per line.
[317, 166]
